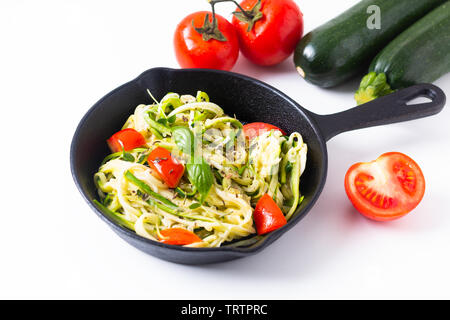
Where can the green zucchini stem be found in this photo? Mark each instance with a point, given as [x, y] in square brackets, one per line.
[372, 86]
[301, 72]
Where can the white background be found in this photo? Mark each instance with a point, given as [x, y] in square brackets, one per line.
[57, 58]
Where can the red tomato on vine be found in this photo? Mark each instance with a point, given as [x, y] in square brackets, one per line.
[268, 30]
[203, 42]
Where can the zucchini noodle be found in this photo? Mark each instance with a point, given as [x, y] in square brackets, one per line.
[132, 193]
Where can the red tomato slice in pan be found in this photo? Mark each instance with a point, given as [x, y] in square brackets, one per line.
[167, 167]
[179, 236]
[128, 139]
[387, 188]
[267, 215]
[254, 129]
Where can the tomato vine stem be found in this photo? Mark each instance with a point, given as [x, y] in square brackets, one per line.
[246, 13]
[246, 16]
[210, 30]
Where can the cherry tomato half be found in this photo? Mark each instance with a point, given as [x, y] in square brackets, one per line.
[192, 51]
[267, 215]
[179, 236]
[254, 129]
[273, 37]
[387, 188]
[128, 139]
[167, 167]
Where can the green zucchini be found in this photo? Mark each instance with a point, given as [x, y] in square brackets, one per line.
[420, 54]
[344, 46]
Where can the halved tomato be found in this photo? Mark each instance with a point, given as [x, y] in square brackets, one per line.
[267, 215]
[254, 129]
[126, 139]
[167, 167]
[387, 188]
[178, 236]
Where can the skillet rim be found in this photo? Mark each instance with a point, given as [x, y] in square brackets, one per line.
[252, 249]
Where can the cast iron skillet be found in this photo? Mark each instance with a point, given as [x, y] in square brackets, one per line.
[250, 100]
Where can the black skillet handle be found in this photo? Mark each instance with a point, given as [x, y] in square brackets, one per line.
[385, 110]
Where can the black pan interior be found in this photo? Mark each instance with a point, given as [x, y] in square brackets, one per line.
[250, 100]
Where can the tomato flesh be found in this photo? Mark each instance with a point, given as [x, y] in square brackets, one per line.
[178, 236]
[406, 177]
[255, 129]
[167, 167]
[126, 139]
[267, 215]
[387, 188]
[377, 199]
[193, 52]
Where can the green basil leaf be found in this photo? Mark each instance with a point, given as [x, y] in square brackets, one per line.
[127, 157]
[195, 205]
[201, 176]
[172, 119]
[142, 158]
[184, 139]
[163, 121]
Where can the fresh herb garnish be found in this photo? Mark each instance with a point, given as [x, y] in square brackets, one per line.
[201, 176]
[127, 157]
[184, 139]
[195, 205]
